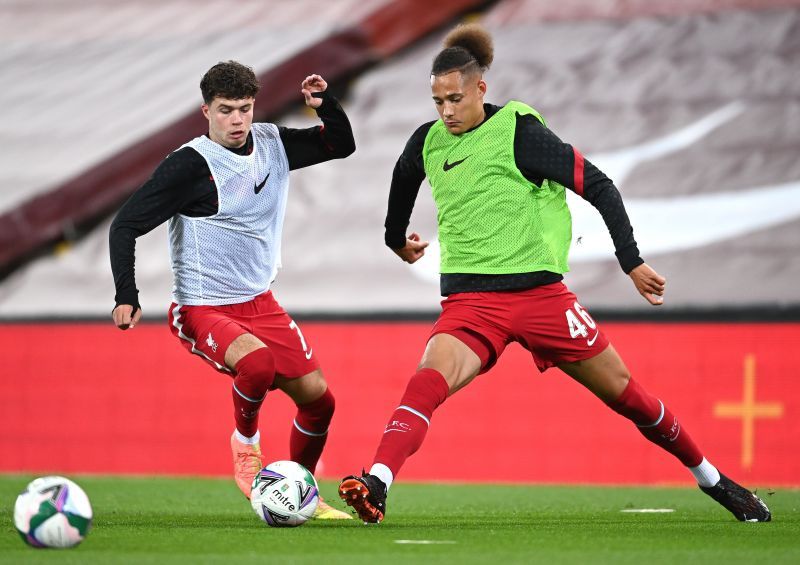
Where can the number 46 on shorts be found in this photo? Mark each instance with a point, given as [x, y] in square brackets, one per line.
[579, 322]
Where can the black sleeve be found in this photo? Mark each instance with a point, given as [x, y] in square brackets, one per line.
[332, 140]
[540, 154]
[174, 186]
[408, 174]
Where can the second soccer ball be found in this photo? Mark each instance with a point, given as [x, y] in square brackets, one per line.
[53, 512]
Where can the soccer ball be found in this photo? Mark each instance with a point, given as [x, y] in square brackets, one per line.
[52, 512]
[284, 493]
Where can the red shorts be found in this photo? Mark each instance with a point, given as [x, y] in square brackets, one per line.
[546, 320]
[208, 331]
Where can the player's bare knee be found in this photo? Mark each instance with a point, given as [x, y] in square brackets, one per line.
[452, 358]
[305, 389]
[449, 367]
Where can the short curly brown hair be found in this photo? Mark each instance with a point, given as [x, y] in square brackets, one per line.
[229, 79]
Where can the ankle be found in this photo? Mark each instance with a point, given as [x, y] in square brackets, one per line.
[705, 474]
[247, 440]
[383, 473]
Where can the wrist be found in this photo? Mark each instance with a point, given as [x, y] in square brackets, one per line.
[395, 242]
[131, 298]
[322, 97]
[629, 259]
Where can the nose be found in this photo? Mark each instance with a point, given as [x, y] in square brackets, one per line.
[237, 117]
[448, 111]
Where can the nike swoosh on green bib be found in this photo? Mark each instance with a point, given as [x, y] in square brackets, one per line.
[447, 166]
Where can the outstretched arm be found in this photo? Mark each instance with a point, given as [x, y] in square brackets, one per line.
[540, 154]
[604, 196]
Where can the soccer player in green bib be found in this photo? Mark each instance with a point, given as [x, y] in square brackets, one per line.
[498, 177]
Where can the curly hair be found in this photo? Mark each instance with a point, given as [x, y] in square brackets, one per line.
[229, 79]
[467, 48]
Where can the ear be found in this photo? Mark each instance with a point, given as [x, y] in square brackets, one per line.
[204, 109]
[482, 87]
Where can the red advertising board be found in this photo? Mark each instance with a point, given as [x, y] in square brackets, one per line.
[90, 398]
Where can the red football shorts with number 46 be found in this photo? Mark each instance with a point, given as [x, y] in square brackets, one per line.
[547, 320]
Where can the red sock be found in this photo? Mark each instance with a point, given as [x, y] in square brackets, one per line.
[254, 375]
[310, 430]
[409, 423]
[657, 423]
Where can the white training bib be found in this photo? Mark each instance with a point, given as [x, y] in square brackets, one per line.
[234, 255]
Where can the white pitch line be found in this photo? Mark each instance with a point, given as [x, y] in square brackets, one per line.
[423, 541]
[648, 510]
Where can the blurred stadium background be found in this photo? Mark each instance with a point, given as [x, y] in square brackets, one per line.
[691, 106]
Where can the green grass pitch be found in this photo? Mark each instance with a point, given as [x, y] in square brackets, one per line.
[188, 520]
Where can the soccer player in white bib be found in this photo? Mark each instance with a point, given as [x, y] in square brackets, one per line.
[224, 195]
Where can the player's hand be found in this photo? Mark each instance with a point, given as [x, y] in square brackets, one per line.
[126, 316]
[312, 84]
[649, 284]
[413, 250]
